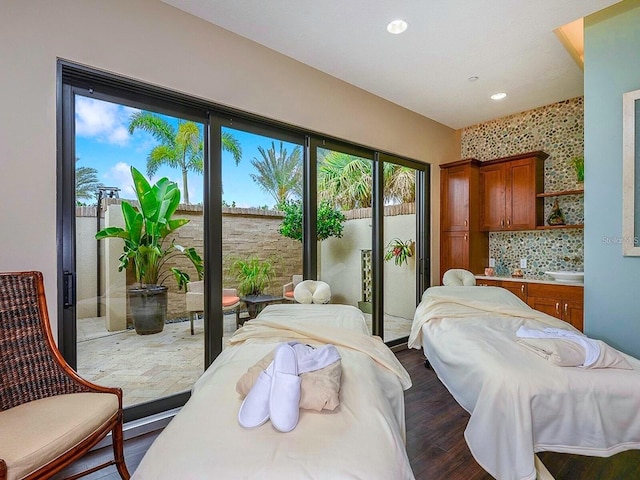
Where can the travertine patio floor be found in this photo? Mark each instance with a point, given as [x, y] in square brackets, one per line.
[148, 367]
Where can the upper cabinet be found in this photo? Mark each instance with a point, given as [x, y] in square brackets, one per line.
[509, 187]
[460, 195]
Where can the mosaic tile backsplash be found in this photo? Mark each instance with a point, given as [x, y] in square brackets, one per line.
[557, 129]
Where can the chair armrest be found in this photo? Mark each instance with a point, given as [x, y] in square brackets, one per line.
[287, 287]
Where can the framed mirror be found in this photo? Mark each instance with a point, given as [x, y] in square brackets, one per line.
[630, 173]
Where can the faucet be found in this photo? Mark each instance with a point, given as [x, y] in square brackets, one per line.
[574, 260]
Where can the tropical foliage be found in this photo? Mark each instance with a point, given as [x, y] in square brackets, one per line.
[87, 183]
[347, 180]
[254, 275]
[146, 230]
[399, 251]
[180, 148]
[330, 222]
[279, 173]
[578, 166]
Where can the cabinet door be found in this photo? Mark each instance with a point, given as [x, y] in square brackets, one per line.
[573, 313]
[519, 289]
[455, 195]
[550, 306]
[521, 195]
[493, 182]
[454, 251]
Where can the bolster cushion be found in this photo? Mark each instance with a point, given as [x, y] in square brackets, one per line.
[458, 277]
[34, 433]
[312, 291]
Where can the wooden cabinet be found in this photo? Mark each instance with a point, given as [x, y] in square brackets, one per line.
[509, 188]
[519, 289]
[462, 244]
[561, 301]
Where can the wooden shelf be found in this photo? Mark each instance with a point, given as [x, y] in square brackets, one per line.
[561, 193]
[554, 227]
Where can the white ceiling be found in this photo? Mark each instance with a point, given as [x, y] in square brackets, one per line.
[508, 44]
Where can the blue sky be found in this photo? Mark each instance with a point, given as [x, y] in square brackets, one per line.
[104, 143]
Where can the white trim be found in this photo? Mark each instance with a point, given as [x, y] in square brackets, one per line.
[630, 244]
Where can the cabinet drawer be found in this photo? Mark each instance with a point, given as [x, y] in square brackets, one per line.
[573, 293]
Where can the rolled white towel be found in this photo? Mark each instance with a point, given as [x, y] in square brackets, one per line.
[591, 347]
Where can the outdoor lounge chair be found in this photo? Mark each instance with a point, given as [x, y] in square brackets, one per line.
[49, 416]
[288, 288]
[194, 299]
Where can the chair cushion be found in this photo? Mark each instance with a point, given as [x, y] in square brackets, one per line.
[229, 300]
[34, 433]
[312, 291]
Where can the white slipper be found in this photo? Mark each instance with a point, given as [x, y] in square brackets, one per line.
[284, 398]
[254, 410]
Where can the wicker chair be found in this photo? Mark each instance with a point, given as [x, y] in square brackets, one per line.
[49, 416]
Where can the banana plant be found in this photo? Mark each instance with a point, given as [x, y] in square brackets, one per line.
[146, 230]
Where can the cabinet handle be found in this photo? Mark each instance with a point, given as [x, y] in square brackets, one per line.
[502, 223]
[508, 222]
[566, 310]
[522, 289]
[465, 237]
[558, 308]
[466, 222]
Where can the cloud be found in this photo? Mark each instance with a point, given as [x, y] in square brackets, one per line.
[103, 121]
[120, 176]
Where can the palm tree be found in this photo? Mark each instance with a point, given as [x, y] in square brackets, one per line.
[182, 148]
[347, 181]
[279, 174]
[87, 183]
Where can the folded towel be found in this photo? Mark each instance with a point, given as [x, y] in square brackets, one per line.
[319, 389]
[566, 353]
[591, 347]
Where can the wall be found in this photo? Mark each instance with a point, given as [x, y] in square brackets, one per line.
[556, 129]
[612, 282]
[155, 43]
[340, 262]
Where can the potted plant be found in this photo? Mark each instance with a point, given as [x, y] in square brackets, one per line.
[578, 166]
[254, 275]
[399, 251]
[146, 249]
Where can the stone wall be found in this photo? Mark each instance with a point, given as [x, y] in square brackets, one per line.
[557, 129]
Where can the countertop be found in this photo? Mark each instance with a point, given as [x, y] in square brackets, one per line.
[527, 280]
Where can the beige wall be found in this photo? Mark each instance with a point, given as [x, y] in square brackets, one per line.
[150, 41]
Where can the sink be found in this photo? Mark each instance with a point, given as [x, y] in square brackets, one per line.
[567, 277]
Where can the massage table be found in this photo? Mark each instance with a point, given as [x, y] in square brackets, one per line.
[362, 438]
[519, 402]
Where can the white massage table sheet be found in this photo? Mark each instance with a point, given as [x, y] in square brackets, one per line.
[362, 438]
[519, 402]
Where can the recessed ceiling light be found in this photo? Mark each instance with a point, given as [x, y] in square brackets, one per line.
[498, 96]
[472, 79]
[397, 26]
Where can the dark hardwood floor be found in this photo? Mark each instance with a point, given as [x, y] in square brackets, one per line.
[435, 442]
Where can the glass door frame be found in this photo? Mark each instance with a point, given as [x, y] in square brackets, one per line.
[73, 80]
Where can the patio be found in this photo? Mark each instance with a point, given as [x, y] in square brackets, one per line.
[148, 367]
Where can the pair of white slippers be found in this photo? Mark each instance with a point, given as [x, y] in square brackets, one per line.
[275, 395]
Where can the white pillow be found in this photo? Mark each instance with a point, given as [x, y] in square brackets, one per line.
[312, 291]
[458, 277]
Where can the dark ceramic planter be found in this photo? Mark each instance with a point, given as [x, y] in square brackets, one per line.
[148, 308]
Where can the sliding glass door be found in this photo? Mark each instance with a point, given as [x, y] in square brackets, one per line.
[237, 211]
